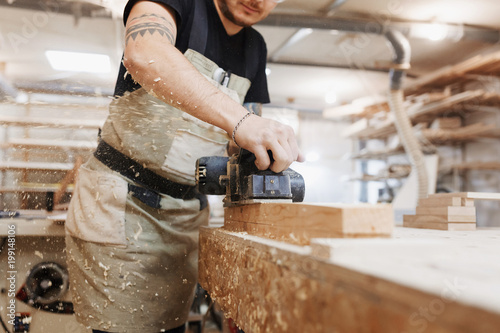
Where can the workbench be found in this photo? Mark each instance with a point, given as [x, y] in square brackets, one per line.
[34, 223]
[416, 281]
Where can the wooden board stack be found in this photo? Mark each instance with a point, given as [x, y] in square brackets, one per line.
[447, 211]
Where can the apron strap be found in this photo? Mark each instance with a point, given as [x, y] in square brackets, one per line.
[134, 171]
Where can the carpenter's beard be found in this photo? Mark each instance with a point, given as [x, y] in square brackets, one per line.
[227, 14]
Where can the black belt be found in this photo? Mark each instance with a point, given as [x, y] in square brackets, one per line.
[134, 171]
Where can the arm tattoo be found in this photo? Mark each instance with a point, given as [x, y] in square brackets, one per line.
[255, 108]
[151, 23]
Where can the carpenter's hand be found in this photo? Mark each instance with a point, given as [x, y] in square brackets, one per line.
[259, 135]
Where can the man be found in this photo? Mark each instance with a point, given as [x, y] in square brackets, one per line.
[132, 227]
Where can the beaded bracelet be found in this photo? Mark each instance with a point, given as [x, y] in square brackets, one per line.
[238, 125]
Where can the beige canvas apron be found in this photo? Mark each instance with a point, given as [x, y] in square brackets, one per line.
[133, 268]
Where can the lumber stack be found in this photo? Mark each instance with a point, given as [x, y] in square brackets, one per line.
[447, 211]
[297, 223]
[466, 133]
[488, 65]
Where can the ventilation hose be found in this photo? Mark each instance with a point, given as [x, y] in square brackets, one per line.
[402, 52]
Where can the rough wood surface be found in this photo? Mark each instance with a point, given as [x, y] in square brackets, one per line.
[422, 281]
[299, 222]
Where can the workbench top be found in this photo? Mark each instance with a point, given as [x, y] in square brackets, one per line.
[446, 281]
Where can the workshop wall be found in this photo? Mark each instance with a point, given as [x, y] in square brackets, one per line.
[484, 180]
[328, 168]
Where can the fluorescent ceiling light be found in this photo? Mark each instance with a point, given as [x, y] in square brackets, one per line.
[432, 31]
[79, 62]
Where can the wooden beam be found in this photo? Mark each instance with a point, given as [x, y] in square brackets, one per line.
[299, 222]
[270, 286]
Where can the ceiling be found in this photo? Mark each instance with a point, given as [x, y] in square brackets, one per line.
[317, 48]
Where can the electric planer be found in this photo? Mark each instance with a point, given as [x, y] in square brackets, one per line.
[243, 183]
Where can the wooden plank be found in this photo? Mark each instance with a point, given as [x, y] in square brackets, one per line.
[445, 202]
[440, 202]
[447, 211]
[294, 221]
[269, 286]
[42, 166]
[416, 223]
[440, 218]
[468, 195]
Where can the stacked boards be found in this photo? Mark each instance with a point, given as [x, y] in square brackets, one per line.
[447, 211]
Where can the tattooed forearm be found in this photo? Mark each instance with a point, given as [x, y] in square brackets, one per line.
[139, 26]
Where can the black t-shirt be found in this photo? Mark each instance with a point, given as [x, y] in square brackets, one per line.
[228, 52]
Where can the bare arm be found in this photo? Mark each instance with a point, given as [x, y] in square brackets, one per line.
[153, 61]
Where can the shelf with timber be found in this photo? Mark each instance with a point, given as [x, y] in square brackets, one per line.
[34, 122]
[466, 71]
[30, 143]
[34, 187]
[35, 166]
[381, 129]
[448, 109]
[28, 155]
